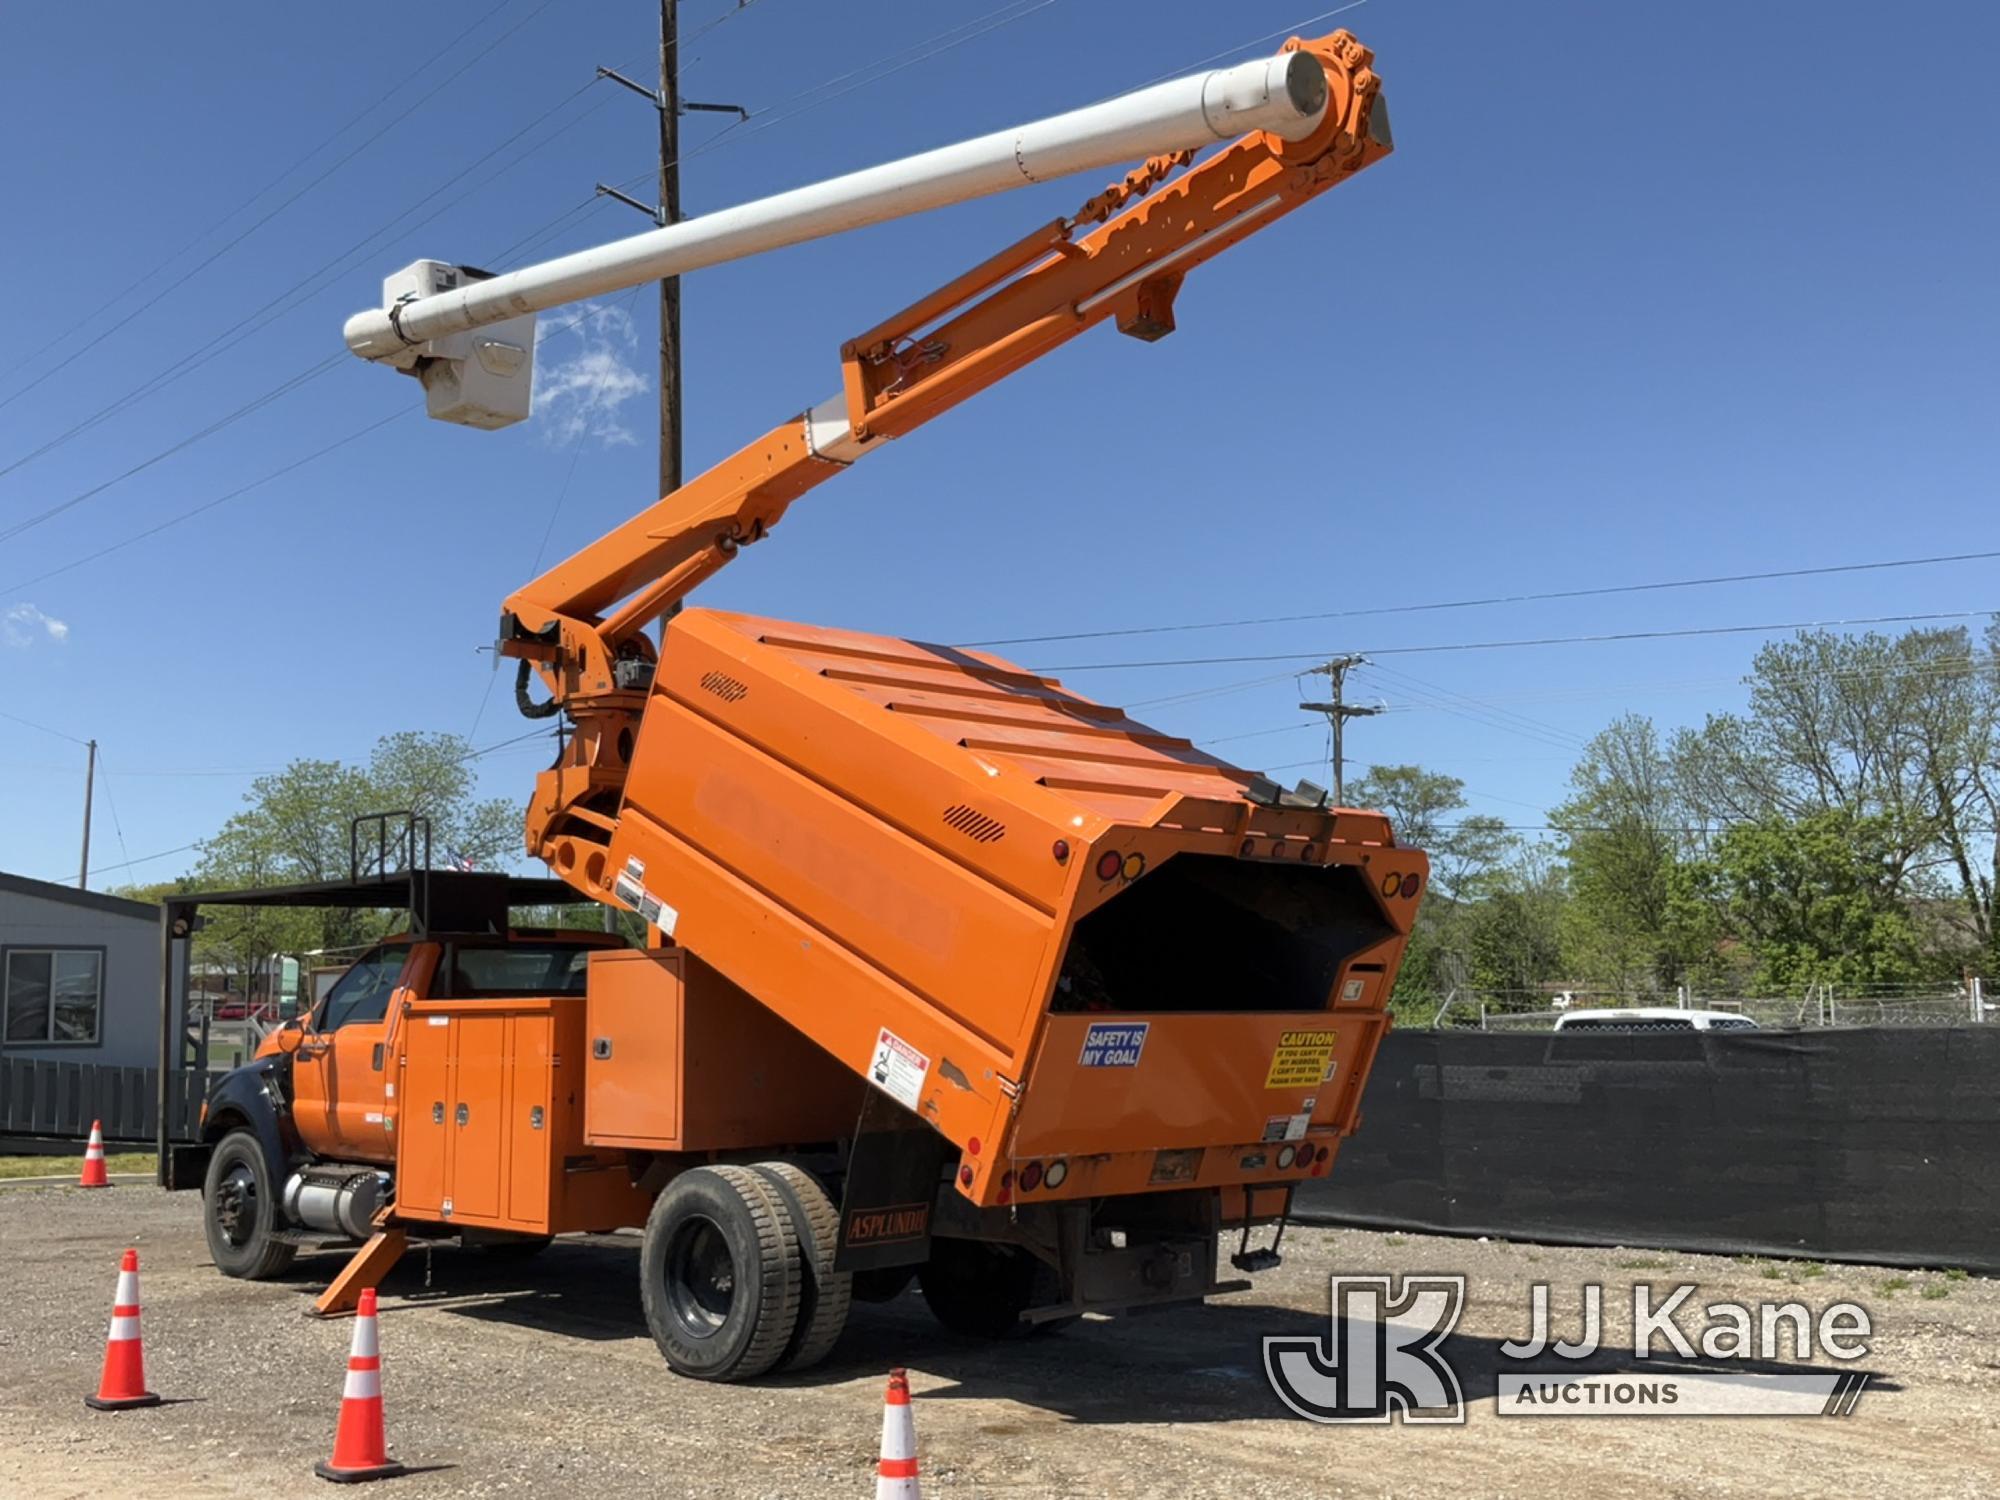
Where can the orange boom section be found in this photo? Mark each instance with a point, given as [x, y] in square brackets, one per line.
[992, 896]
[987, 895]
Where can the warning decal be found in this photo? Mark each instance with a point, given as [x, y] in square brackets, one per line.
[1302, 1060]
[898, 1069]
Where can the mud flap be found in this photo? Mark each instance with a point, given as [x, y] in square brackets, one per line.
[892, 1181]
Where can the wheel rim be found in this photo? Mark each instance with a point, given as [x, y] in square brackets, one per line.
[701, 1277]
[236, 1205]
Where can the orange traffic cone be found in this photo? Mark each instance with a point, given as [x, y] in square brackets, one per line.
[360, 1451]
[123, 1384]
[896, 1472]
[94, 1174]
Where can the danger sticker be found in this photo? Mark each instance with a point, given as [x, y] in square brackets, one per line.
[1303, 1060]
[898, 1069]
[1113, 1044]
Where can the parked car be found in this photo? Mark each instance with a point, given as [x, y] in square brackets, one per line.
[1653, 1018]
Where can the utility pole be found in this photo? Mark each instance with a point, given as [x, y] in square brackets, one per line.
[667, 101]
[669, 105]
[89, 783]
[1338, 712]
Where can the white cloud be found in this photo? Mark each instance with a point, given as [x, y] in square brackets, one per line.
[23, 625]
[579, 397]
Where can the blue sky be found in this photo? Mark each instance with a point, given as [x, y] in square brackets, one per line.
[1646, 292]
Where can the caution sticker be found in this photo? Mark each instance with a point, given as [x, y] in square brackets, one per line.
[898, 1069]
[1302, 1060]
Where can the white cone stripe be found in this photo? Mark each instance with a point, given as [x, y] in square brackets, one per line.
[128, 1288]
[93, 1152]
[123, 1329]
[363, 1385]
[365, 1345]
[899, 1438]
[896, 1489]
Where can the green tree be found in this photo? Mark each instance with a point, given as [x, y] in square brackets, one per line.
[294, 829]
[1425, 810]
[1815, 899]
[1622, 833]
[1896, 731]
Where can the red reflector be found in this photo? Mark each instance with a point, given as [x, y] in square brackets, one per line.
[1109, 863]
[1031, 1176]
[1061, 851]
[972, 1145]
[1006, 1180]
[1325, 1155]
[965, 1177]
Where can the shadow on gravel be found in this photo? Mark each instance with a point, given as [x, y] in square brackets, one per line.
[1193, 1364]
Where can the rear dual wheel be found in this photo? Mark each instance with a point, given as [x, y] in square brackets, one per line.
[736, 1272]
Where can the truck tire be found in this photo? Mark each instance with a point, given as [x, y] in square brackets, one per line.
[719, 1274]
[981, 1290]
[824, 1293]
[240, 1213]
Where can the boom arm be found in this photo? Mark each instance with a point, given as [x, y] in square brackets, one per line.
[581, 623]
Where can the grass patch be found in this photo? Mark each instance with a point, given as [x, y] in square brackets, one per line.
[1894, 1285]
[70, 1166]
[1955, 1273]
[1937, 1291]
[1394, 1239]
[1642, 1264]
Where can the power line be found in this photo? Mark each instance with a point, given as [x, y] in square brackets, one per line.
[211, 505]
[248, 202]
[243, 489]
[249, 408]
[1550, 640]
[231, 244]
[1491, 600]
[31, 724]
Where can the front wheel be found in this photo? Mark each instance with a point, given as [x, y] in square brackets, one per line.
[240, 1211]
[719, 1274]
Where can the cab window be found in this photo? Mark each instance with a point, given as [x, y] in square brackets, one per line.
[361, 995]
[518, 970]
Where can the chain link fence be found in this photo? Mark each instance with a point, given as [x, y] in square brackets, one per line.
[1968, 1003]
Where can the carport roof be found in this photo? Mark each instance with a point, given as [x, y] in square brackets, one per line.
[69, 895]
[437, 900]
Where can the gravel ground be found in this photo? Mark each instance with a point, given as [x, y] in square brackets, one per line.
[542, 1379]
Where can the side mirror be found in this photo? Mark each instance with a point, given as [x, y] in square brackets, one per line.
[291, 1036]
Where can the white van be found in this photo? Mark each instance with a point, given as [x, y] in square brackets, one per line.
[1653, 1018]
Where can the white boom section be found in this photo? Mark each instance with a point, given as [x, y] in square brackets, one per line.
[1285, 94]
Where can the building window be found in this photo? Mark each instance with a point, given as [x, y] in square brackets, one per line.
[53, 994]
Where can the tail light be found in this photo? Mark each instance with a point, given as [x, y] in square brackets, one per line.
[1056, 1175]
[1031, 1176]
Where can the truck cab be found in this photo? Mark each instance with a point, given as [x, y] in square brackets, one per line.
[303, 1137]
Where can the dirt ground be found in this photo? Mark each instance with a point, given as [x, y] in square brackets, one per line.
[542, 1379]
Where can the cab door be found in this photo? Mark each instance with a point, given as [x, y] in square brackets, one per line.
[341, 1076]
